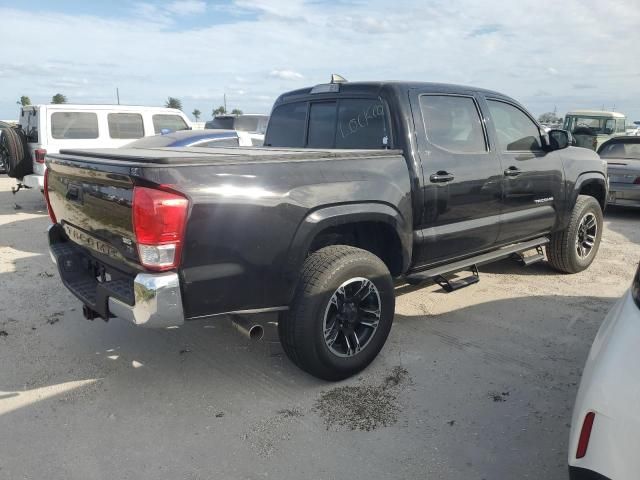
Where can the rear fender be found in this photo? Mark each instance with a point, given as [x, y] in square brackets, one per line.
[321, 219]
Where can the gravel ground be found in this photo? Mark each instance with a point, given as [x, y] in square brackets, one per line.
[477, 384]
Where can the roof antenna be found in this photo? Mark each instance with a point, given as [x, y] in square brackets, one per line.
[335, 78]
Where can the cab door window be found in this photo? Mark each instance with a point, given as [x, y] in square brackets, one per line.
[514, 129]
[453, 123]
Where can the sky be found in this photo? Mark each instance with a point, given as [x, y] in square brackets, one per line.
[548, 55]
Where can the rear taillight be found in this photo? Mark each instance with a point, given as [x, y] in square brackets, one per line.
[39, 155]
[159, 220]
[52, 215]
[585, 434]
[635, 287]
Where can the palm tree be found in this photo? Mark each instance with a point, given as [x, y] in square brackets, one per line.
[24, 101]
[173, 102]
[196, 114]
[219, 111]
[236, 111]
[59, 98]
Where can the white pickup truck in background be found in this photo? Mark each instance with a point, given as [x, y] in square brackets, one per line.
[49, 128]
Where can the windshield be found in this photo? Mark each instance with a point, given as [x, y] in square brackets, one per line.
[590, 125]
[620, 150]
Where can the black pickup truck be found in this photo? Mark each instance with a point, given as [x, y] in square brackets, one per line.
[358, 184]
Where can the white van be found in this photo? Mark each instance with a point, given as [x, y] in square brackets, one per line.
[50, 128]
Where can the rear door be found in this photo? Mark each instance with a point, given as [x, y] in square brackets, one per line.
[463, 176]
[533, 178]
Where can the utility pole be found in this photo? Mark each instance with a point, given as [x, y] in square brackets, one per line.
[118, 95]
[225, 102]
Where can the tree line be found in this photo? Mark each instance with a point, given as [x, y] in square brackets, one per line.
[171, 102]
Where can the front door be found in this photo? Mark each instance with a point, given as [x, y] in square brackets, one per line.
[533, 185]
[462, 177]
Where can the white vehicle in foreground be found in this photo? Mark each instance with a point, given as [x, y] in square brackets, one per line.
[605, 431]
[51, 128]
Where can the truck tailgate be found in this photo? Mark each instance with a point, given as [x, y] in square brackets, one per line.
[93, 205]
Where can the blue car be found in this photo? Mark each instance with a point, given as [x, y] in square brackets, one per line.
[189, 138]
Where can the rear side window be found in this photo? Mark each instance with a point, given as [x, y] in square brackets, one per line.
[453, 123]
[168, 122]
[361, 124]
[74, 125]
[287, 125]
[29, 121]
[125, 125]
[322, 125]
[515, 130]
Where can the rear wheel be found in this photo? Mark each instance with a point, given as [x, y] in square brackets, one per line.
[575, 248]
[341, 313]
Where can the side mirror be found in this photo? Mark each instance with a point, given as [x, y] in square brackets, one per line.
[558, 140]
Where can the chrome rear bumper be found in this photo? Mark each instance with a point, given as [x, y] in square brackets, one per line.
[151, 300]
[157, 298]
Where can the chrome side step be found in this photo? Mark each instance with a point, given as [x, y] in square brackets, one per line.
[437, 274]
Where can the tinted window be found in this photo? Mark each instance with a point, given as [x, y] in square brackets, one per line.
[515, 130]
[361, 124]
[322, 125]
[223, 123]
[169, 122]
[453, 123]
[74, 125]
[620, 126]
[125, 125]
[287, 125]
[29, 119]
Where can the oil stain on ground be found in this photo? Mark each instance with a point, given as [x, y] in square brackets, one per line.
[363, 407]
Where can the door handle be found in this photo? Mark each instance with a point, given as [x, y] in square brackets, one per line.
[441, 177]
[512, 172]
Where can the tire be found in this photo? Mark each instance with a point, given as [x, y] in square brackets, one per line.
[564, 251]
[345, 275]
[14, 152]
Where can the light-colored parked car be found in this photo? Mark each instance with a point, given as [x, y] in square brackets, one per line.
[623, 165]
[51, 128]
[591, 128]
[633, 130]
[605, 431]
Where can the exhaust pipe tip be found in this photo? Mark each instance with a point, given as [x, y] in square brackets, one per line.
[252, 331]
[256, 332]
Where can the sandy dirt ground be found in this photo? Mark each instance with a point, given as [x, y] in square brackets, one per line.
[477, 384]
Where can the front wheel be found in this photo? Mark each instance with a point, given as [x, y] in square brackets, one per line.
[341, 313]
[574, 249]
